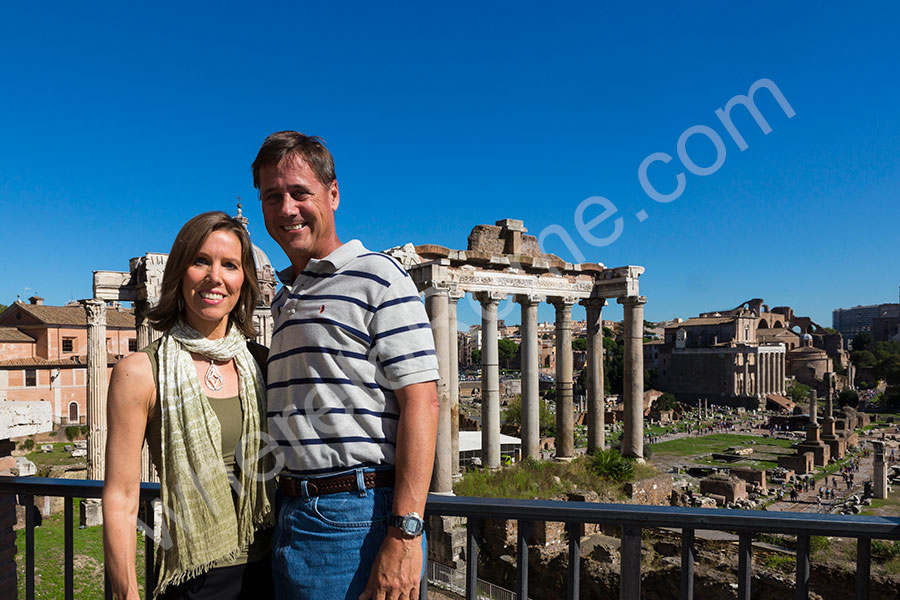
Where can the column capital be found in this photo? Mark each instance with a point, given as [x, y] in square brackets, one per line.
[593, 302]
[633, 300]
[95, 311]
[456, 295]
[559, 301]
[437, 288]
[529, 299]
[491, 297]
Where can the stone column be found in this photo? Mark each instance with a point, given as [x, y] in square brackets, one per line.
[530, 359]
[95, 311]
[633, 436]
[490, 380]
[756, 373]
[746, 356]
[437, 306]
[813, 408]
[565, 417]
[596, 405]
[779, 382]
[829, 407]
[453, 377]
[879, 471]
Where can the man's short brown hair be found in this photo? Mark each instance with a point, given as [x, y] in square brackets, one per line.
[283, 144]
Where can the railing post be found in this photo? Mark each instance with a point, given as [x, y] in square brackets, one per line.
[863, 566]
[802, 587]
[630, 587]
[687, 564]
[745, 566]
[573, 531]
[524, 532]
[107, 586]
[69, 549]
[472, 526]
[149, 566]
[423, 585]
[28, 501]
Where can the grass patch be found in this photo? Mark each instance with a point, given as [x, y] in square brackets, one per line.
[718, 442]
[543, 479]
[49, 560]
[780, 562]
[44, 460]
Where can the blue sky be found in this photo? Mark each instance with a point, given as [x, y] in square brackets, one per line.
[118, 123]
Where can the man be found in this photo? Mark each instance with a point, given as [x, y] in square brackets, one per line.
[351, 394]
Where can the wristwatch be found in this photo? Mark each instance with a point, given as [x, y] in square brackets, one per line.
[411, 524]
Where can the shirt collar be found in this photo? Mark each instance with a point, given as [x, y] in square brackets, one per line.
[337, 259]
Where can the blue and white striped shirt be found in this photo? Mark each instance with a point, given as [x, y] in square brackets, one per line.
[349, 330]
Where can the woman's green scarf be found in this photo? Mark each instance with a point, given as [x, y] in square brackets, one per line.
[198, 510]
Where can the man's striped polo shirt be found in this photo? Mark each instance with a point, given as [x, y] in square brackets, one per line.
[349, 330]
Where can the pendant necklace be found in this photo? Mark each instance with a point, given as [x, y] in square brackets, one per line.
[213, 377]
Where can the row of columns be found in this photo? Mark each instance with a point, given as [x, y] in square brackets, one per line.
[441, 305]
[768, 374]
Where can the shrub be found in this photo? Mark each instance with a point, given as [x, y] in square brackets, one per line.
[609, 464]
[72, 432]
[648, 451]
[885, 550]
[29, 444]
[818, 543]
[779, 562]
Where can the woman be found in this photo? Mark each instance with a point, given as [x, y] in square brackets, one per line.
[197, 396]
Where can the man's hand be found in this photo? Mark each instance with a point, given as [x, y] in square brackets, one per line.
[397, 570]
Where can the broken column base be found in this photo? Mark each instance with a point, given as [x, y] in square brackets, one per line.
[879, 476]
[836, 446]
[91, 512]
[801, 464]
[821, 453]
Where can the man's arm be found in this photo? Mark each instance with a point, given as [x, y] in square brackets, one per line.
[397, 570]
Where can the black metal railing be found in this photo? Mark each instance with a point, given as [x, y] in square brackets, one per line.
[631, 518]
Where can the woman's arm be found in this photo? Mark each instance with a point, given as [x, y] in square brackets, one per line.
[130, 399]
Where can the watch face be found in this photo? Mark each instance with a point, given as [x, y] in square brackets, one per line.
[413, 525]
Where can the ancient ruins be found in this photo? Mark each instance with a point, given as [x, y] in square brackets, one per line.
[502, 260]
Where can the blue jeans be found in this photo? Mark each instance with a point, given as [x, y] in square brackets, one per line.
[323, 547]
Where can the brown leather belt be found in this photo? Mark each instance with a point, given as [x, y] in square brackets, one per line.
[320, 486]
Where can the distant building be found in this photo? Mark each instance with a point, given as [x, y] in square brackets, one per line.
[742, 356]
[881, 320]
[43, 354]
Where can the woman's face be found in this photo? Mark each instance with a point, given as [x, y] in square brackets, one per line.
[212, 284]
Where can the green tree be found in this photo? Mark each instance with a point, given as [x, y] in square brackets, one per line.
[863, 340]
[579, 344]
[889, 369]
[848, 398]
[513, 414]
[507, 350]
[798, 392]
[665, 402]
[476, 356]
[3, 307]
[862, 358]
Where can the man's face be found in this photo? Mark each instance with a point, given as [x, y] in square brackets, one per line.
[299, 210]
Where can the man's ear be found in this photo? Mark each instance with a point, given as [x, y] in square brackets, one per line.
[335, 195]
